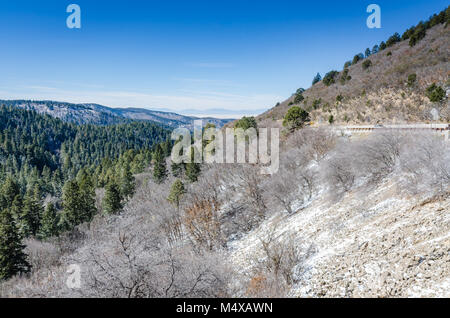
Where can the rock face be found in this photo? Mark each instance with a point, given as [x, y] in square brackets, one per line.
[368, 245]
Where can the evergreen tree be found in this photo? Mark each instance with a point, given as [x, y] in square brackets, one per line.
[176, 168]
[9, 191]
[70, 216]
[49, 223]
[317, 79]
[176, 193]
[127, 182]
[112, 201]
[159, 169]
[16, 209]
[31, 212]
[375, 49]
[87, 197]
[192, 168]
[13, 260]
[295, 118]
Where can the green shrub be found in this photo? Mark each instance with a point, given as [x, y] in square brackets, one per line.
[339, 98]
[299, 96]
[412, 79]
[435, 93]
[316, 103]
[295, 118]
[393, 39]
[329, 78]
[331, 119]
[419, 33]
[389, 53]
[357, 58]
[344, 77]
[366, 64]
[246, 123]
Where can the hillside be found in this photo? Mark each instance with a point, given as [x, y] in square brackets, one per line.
[102, 115]
[380, 93]
[342, 217]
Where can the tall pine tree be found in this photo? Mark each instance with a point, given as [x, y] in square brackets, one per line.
[31, 213]
[87, 197]
[176, 193]
[192, 169]
[49, 223]
[112, 202]
[127, 182]
[159, 169]
[70, 216]
[13, 260]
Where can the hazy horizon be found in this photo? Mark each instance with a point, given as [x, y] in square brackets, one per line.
[186, 55]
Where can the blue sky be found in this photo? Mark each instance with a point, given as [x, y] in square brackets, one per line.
[236, 55]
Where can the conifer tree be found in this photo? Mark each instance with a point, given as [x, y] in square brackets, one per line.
[127, 182]
[176, 168]
[9, 191]
[31, 212]
[13, 260]
[49, 222]
[112, 201]
[87, 197]
[176, 193]
[192, 169]
[70, 216]
[159, 169]
[317, 79]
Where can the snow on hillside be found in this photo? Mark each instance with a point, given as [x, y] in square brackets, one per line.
[379, 244]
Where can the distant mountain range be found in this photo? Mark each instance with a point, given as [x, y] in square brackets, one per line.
[103, 115]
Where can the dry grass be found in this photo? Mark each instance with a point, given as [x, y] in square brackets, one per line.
[381, 94]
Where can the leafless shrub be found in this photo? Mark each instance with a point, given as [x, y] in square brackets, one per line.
[294, 183]
[138, 267]
[276, 272]
[338, 172]
[314, 143]
[201, 221]
[41, 254]
[377, 156]
[425, 161]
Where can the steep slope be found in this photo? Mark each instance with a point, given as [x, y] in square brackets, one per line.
[383, 246]
[381, 93]
[102, 115]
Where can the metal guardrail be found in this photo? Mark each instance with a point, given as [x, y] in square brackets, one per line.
[444, 129]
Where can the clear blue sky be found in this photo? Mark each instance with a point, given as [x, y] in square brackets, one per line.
[229, 54]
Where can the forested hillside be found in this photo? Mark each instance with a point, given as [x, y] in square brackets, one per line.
[101, 115]
[49, 172]
[344, 216]
[39, 148]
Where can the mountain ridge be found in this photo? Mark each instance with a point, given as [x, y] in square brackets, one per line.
[91, 113]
